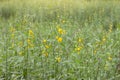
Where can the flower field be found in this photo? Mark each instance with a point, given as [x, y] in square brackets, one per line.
[59, 40]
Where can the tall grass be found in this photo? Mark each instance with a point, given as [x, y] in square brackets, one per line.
[59, 40]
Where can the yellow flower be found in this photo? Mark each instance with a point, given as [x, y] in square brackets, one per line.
[61, 31]
[47, 46]
[46, 54]
[44, 41]
[104, 39]
[79, 40]
[59, 39]
[78, 48]
[95, 51]
[63, 21]
[20, 53]
[31, 33]
[30, 45]
[109, 58]
[58, 59]
[28, 40]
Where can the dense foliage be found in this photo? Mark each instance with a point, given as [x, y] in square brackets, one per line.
[59, 40]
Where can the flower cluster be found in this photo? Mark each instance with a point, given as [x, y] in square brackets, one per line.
[30, 39]
[59, 39]
[79, 45]
[46, 47]
[31, 34]
[61, 31]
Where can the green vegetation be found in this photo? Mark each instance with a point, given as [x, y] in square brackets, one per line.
[59, 39]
